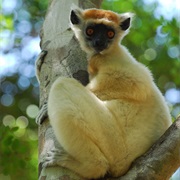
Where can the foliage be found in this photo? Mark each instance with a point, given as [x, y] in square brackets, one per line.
[20, 26]
[19, 154]
[153, 41]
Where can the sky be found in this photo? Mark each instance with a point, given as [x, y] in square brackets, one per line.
[166, 8]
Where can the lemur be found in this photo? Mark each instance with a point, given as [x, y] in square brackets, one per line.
[106, 125]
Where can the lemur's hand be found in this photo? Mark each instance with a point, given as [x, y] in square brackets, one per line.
[42, 115]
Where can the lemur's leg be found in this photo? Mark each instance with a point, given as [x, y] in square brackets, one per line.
[77, 116]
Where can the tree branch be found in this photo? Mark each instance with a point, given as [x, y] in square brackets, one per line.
[161, 160]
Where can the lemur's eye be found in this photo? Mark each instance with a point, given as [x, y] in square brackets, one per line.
[89, 31]
[110, 34]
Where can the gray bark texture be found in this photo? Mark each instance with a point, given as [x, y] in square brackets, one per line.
[62, 56]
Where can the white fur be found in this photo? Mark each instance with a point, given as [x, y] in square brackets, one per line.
[115, 119]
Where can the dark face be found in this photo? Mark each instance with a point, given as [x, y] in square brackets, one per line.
[99, 36]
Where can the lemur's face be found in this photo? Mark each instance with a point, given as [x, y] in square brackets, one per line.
[99, 30]
[99, 36]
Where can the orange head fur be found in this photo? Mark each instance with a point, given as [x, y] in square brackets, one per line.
[101, 14]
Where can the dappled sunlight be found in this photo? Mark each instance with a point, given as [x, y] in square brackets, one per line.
[32, 111]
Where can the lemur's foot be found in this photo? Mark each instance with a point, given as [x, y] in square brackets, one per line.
[42, 115]
[56, 157]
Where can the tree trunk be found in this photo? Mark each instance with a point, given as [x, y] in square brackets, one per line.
[62, 56]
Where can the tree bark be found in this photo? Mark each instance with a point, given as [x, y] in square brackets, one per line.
[63, 57]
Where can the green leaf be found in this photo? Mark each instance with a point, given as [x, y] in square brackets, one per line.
[14, 129]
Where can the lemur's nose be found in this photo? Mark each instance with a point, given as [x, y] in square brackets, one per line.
[99, 44]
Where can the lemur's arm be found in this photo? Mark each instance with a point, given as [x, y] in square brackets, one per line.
[122, 85]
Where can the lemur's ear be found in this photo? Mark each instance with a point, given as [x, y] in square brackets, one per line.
[125, 24]
[74, 18]
[126, 20]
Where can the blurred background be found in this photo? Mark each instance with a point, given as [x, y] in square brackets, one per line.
[153, 40]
